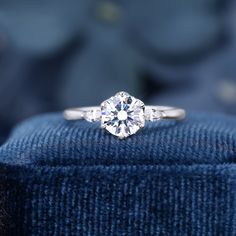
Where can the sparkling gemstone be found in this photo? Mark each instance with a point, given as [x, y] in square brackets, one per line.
[152, 114]
[122, 115]
[92, 115]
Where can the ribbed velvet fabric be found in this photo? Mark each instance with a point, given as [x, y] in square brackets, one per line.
[72, 178]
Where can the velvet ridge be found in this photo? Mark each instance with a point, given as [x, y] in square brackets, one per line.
[72, 178]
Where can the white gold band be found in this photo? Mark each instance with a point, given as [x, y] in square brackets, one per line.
[123, 115]
[151, 113]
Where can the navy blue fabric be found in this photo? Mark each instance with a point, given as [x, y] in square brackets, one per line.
[72, 178]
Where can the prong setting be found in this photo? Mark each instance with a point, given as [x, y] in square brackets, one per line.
[122, 115]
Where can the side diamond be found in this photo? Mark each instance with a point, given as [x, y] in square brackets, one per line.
[93, 115]
[151, 114]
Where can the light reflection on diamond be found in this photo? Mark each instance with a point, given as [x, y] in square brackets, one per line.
[122, 115]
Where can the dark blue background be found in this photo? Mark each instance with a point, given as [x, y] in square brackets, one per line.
[73, 178]
[58, 54]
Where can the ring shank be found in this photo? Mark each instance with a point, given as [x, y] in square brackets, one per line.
[80, 113]
[152, 113]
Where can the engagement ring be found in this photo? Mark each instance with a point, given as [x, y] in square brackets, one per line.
[123, 115]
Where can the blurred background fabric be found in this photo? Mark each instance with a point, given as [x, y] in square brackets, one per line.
[56, 54]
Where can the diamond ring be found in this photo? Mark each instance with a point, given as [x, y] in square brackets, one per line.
[123, 115]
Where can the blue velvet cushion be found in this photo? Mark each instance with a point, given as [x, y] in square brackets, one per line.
[72, 178]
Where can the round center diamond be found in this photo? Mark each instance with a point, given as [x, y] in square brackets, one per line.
[122, 115]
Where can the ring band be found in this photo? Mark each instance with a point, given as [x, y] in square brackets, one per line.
[123, 115]
[152, 113]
